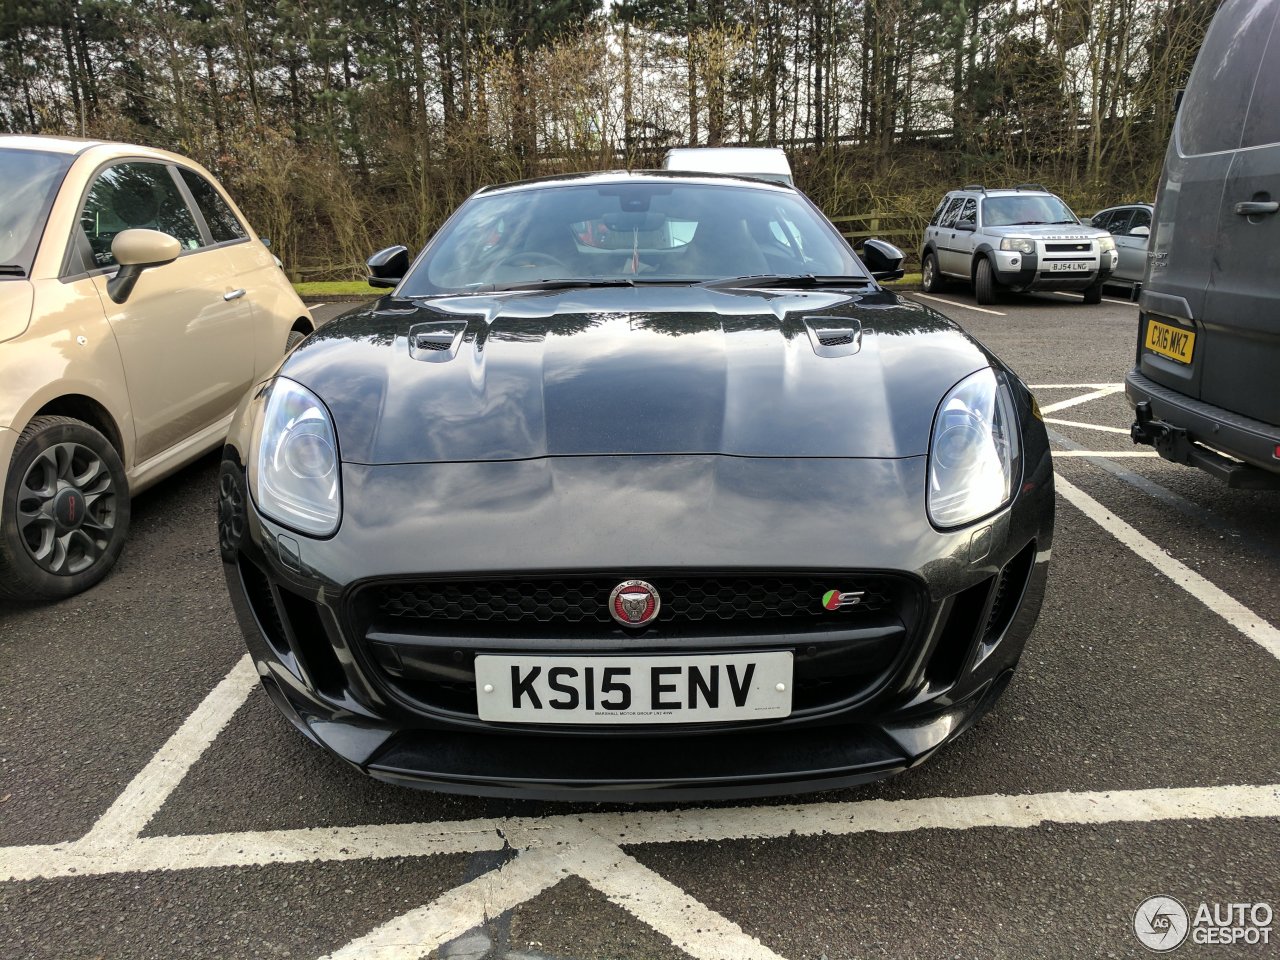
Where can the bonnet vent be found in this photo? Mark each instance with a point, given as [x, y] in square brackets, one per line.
[834, 336]
[437, 341]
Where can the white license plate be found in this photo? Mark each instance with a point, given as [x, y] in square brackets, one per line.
[1066, 266]
[707, 688]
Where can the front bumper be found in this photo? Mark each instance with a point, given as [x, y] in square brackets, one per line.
[1032, 271]
[1190, 432]
[294, 597]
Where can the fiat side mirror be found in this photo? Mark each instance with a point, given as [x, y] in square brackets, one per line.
[883, 259]
[137, 250]
[388, 266]
[1140, 232]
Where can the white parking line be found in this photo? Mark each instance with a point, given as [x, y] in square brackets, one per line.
[1073, 386]
[1105, 453]
[418, 932]
[1083, 398]
[963, 306]
[1086, 426]
[1216, 599]
[1063, 293]
[147, 792]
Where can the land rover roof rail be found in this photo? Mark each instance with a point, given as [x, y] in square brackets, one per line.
[1031, 186]
[974, 186]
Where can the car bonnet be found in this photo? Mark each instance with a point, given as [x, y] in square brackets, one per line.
[635, 371]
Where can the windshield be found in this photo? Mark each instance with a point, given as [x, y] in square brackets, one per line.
[642, 231]
[31, 180]
[1025, 209]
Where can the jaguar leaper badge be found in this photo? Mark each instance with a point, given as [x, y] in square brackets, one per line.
[634, 603]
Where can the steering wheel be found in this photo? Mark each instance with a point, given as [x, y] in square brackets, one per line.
[527, 259]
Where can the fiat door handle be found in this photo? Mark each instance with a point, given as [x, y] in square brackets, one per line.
[1256, 208]
[234, 294]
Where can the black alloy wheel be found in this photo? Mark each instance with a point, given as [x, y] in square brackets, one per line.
[65, 512]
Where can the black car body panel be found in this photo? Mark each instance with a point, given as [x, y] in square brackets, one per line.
[1215, 254]
[507, 458]
[635, 371]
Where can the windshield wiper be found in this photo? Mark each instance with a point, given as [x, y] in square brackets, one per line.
[803, 280]
[12, 270]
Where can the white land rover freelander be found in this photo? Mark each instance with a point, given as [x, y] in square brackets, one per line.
[1020, 239]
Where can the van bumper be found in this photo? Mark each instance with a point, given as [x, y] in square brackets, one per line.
[1194, 433]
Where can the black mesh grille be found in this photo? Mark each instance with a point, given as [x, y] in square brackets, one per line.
[430, 343]
[580, 600]
[1065, 247]
[835, 340]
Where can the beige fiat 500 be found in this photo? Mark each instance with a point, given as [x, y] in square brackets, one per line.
[136, 308]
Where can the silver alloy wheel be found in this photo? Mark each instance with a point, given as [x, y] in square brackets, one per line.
[66, 509]
[927, 279]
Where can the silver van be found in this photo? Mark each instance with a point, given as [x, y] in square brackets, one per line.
[1206, 384]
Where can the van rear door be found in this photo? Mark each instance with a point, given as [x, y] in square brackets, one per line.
[1241, 367]
[1186, 259]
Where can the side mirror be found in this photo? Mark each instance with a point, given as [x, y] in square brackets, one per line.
[967, 225]
[1140, 232]
[884, 260]
[137, 250]
[387, 267]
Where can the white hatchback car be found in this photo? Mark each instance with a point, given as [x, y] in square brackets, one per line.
[136, 308]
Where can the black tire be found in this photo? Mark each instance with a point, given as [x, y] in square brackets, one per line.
[295, 337]
[984, 282]
[1093, 293]
[65, 511]
[930, 277]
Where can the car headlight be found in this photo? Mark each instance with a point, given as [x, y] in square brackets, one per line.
[974, 455]
[293, 459]
[1018, 244]
[1106, 244]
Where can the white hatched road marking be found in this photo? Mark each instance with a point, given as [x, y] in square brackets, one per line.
[1073, 386]
[449, 916]
[962, 306]
[1098, 394]
[147, 792]
[1212, 596]
[1109, 454]
[1087, 426]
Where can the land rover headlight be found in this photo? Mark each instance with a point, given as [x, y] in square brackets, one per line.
[293, 459]
[974, 458]
[1018, 244]
[1106, 244]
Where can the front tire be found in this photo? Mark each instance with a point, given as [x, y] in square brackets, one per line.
[1093, 293]
[65, 511]
[295, 337]
[984, 282]
[930, 278]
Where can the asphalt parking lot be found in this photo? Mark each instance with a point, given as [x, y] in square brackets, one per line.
[154, 804]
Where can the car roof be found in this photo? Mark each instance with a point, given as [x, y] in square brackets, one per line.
[729, 159]
[632, 176]
[47, 144]
[99, 150]
[1001, 192]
